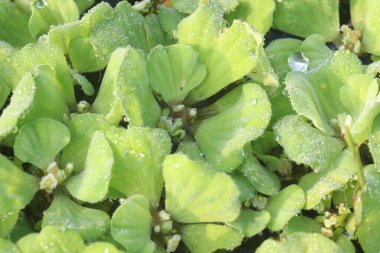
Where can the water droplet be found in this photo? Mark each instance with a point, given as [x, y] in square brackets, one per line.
[108, 14]
[298, 62]
[41, 4]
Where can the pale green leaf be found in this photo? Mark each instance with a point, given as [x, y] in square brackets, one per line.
[131, 225]
[364, 14]
[82, 127]
[318, 185]
[100, 32]
[17, 188]
[250, 223]
[294, 17]
[285, 205]
[51, 12]
[189, 6]
[300, 243]
[360, 97]
[101, 247]
[367, 233]
[191, 187]
[207, 238]
[174, 71]
[305, 100]
[127, 82]
[20, 102]
[228, 55]
[91, 185]
[52, 240]
[329, 78]
[20, 62]
[66, 214]
[39, 142]
[222, 137]
[258, 13]
[139, 153]
[294, 135]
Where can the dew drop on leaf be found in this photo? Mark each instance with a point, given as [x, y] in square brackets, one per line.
[298, 62]
[41, 4]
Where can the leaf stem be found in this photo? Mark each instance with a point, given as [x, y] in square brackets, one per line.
[357, 160]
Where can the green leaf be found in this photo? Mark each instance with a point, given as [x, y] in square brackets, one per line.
[293, 16]
[174, 71]
[207, 238]
[82, 127]
[139, 153]
[302, 224]
[155, 34]
[278, 52]
[101, 247]
[82, 81]
[329, 78]
[21, 228]
[318, 185]
[191, 187]
[294, 136]
[17, 188]
[20, 62]
[191, 149]
[99, 33]
[52, 240]
[131, 225]
[258, 13]
[91, 185]
[263, 180]
[368, 237]
[51, 12]
[365, 19]
[228, 56]
[250, 223]
[305, 100]
[223, 136]
[39, 142]
[127, 82]
[66, 214]
[299, 243]
[247, 192]
[169, 19]
[8, 247]
[189, 6]
[285, 205]
[374, 142]
[14, 24]
[8, 221]
[20, 102]
[345, 243]
[360, 97]
[84, 4]
[264, 73]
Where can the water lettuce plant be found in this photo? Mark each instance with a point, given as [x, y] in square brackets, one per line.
[193, 126]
